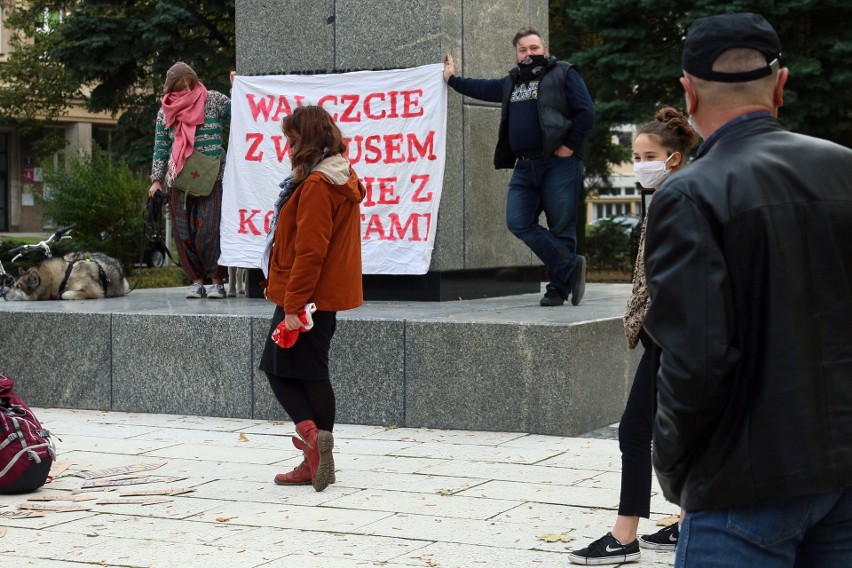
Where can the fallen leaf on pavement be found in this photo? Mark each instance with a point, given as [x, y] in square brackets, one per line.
[667, 521]
[556, 537]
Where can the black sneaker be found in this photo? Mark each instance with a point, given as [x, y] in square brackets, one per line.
[552, 298]
[606, 550]
[663, 539]
[577, 280]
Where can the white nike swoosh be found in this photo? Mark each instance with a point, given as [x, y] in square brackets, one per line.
[616, 549]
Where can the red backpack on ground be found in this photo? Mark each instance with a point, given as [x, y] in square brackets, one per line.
[26, 451]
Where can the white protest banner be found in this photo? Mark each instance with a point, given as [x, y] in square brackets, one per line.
[394, 126]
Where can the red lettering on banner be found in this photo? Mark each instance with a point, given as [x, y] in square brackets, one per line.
[252, 154]
[374, 225]
[284, 108]
[246, 224]
[368, 109]
[386, 189]
[393, 113]
[401, 230]
[408, 104]
[263, 106]
[279, 151]
[325, 99]
[371, 147]
[267, 220]
[375, 106]
[418, 196]
[368, 185]
[425, 150]
[393, 143]
[347, 114]
[348, 141]
[397, 230]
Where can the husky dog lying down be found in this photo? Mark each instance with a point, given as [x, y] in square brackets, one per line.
[75, 276]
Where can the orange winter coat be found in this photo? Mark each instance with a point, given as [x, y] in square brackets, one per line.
[316, 251]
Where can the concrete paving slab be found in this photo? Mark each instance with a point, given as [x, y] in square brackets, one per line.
[424, 503]
[521, 473]
[404, 497]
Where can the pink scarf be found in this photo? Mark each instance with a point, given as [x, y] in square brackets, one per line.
[184, 111]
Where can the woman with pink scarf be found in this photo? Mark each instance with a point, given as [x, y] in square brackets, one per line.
[190, 120]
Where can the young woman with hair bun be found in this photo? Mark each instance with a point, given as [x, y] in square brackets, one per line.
[660, 148]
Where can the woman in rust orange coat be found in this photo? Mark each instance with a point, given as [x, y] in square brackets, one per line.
[314, 260]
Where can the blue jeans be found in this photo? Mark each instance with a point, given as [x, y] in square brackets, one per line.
[550, 185]
[814, 530]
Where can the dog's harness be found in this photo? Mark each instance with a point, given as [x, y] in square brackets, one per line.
[105, 281]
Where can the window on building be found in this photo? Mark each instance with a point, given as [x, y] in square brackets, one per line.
[102, 136]
[51, 20]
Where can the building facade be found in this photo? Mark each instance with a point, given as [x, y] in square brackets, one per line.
[21, 168]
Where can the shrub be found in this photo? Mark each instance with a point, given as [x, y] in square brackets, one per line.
[608, 246]
[103, 198]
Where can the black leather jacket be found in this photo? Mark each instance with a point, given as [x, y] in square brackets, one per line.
[749, 268]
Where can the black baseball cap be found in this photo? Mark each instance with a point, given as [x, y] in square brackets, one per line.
[708, 37]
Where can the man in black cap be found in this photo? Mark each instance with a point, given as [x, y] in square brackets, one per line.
[749, 268]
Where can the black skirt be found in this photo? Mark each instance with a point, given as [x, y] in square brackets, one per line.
[307, 359]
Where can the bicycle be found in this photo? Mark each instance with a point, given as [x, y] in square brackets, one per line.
[7, 281]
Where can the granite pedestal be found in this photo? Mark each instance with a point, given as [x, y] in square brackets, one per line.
[502, 364]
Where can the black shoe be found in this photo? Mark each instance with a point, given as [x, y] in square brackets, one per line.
[577, 280]
[606, 550]
[552, 298]
[663, 539]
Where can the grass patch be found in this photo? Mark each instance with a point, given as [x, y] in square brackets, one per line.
[163, 277]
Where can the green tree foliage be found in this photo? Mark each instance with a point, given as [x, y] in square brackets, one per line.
[608, 246]
[118, 53]
[101, 196]
[35, 87]
[629, 53]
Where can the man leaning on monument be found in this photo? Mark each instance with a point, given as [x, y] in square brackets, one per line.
[749, 268]
[547, 112]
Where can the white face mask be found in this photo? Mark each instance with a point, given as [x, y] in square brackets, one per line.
[651, 175]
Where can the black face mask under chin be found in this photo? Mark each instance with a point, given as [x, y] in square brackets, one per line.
[531, 67]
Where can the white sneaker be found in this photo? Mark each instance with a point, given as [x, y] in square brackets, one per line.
[196, 291]
[216, 291]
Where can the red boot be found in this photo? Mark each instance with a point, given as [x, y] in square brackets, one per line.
[299, 476]
[319, 444]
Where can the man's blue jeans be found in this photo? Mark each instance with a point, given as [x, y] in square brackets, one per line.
[550, 185]
[810, 531]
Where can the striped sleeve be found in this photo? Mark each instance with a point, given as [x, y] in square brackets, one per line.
[162, 148]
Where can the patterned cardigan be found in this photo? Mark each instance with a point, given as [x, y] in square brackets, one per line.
[208, 136]
[639, 301]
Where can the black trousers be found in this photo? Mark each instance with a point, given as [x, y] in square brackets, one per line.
[306, 400]
[635, 432]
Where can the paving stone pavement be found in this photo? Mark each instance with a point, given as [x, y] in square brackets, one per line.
[404, 497]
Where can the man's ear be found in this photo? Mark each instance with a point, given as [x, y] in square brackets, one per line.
[691, 96]
[780, 81]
